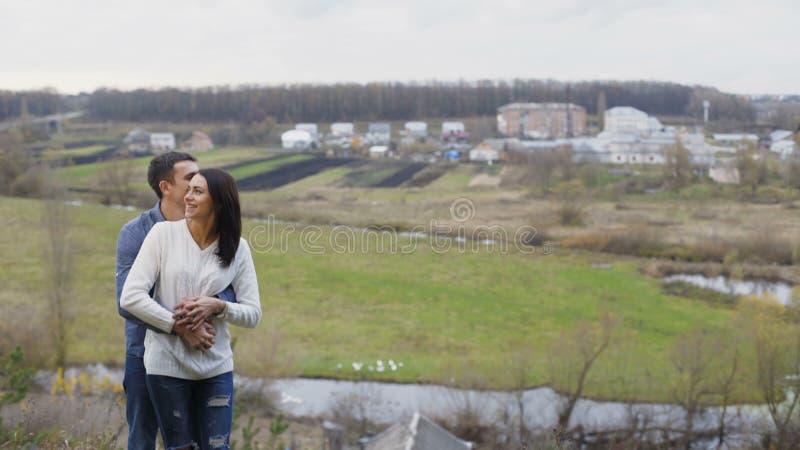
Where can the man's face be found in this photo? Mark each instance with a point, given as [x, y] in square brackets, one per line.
[182, 172]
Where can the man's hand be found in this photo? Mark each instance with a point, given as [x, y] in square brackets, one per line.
[200, 339]
[193, 311]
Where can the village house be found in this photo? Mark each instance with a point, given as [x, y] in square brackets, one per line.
[416, 130]
[453, 132]
[198, 142]
[162, 142]
[738, 140]
[541, 120]
[137, 141]
[342, 129]
[484, 152]
[311, 128]
[783, 143]
[379, 133]
[378, 151]
[626, 120]
[296, 140]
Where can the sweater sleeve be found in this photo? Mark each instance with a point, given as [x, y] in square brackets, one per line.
[142, 277]
[247, 311]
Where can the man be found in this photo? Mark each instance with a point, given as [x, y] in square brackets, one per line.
[168, 176]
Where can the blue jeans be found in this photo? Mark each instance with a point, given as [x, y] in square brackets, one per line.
[142, 422]
[193, 413]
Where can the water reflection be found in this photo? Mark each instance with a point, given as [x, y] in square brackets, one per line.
[779, 290]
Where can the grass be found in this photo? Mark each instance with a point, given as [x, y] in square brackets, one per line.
[73, 152]
[264, 166]
[441, 313]
[320, 180]
[457, 178]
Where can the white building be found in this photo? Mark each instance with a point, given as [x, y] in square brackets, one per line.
[379, 133]
[416, 129]
[137, 140]
[734, 137]
[484, 153]
[310, 127]
[631, 149]
[342, 129]
[783, 148]
[739, 140]
[625, 120]
[296, 140]
[378, 151]
[162, 142]
[782, 142]
[452, 128]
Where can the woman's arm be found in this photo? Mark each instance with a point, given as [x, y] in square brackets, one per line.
[247, 312]
[135, 297]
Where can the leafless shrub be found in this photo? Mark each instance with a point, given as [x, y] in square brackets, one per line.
[764, 245]
[31, 183]
[571, 205]
[82, 422]
[23, 326]
[115, 181]
[353, 410]
[465, 417]
[573, 357]
[144, 199]
[704, 214]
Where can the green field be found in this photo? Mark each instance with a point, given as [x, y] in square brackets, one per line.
[89, 174]
[457, 178]
[264, 166]
[73, 152]
[444, 314]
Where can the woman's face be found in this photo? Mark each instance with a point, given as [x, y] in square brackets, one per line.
[198, 200]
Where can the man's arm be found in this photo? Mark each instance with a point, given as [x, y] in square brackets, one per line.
[128, 245]
[228, 295]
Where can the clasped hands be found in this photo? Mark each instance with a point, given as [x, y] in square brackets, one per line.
[194, 321]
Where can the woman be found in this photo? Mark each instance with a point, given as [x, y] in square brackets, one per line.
[184, 263]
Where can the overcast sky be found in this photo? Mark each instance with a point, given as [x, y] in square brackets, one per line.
[747, 47]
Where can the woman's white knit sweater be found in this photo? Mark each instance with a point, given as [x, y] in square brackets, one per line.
[171, 261]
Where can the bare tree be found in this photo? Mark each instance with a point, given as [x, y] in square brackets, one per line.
[522, 366]
[677, 167]
[777, 346]
[58, 264]
[727, 381]
[573, 357]
[115, 182]
[13, 160]
[750, 172]
[705, 366]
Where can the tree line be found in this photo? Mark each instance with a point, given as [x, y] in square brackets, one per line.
[374, 101]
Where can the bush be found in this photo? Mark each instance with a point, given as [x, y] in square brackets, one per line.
[15, 380]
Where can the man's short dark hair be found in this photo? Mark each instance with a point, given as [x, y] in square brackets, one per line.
[161, 168]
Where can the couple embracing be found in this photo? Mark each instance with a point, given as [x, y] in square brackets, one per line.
[184, 274]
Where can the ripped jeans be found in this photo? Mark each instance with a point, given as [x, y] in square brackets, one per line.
[193, 413]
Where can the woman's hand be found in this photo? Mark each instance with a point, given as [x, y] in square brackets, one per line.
[191, 312]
